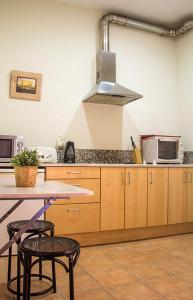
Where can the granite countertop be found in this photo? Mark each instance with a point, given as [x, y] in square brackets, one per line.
[118, 165]
[6, 167]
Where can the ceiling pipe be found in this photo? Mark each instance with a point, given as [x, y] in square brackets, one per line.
[132, 23]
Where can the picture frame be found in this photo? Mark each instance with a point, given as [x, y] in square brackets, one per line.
[25, 85]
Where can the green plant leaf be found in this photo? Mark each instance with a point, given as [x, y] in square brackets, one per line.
[26, 158]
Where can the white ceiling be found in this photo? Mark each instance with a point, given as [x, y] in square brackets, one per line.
[166, 12]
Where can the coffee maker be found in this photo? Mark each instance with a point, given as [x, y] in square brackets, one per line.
[69, 154]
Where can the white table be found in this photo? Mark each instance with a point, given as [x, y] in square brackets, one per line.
[46, 190]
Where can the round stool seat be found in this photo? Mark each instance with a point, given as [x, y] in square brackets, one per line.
[50, 246]
[38, 227]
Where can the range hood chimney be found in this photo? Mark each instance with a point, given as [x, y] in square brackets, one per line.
[106, 90]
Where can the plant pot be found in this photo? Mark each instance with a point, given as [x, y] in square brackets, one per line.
[26, 176]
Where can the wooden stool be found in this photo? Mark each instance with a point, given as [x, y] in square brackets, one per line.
[48, 248]
[39, 228]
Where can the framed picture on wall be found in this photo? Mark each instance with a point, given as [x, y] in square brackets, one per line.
[25, 85]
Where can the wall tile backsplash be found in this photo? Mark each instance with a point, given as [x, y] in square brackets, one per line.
[99, 156]
[110, 156]
[188, 157]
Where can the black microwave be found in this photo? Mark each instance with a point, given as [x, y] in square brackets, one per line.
[10, 145]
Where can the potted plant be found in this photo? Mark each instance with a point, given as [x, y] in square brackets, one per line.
[25, 165]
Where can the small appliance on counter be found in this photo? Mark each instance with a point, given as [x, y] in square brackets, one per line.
[162, 149]
[10, 145]
[46, 154]
[69, 155]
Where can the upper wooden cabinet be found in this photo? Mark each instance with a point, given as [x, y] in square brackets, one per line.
[112, 198]
[190, 195]
[135, 197]
[157, 196]
[177, 206]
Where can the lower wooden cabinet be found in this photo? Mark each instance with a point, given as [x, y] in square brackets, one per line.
[90, 184]
[180, 195]
[177, 201]
[131, 197]
[190, 195]
[74, 218]
[112, 198]
[157, 196]
[135, 197]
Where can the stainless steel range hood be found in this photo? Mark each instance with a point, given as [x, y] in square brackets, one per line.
[106, 90]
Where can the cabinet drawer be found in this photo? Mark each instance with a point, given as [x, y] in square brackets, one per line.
[90, 184]
[74, 218]
[72, 172]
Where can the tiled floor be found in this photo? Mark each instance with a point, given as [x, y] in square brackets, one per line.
[156, 269]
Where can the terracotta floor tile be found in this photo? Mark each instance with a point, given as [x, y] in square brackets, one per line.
[95, 294]
[146, 271]
[176, 265]
[141, 270]
[82, 282]
[111, 276]
[187, 276]
[135, 291]
[171, 286]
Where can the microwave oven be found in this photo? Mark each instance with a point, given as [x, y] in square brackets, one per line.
[162, 149]
[10, 145]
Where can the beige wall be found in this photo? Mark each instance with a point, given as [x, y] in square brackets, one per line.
[185, 88]
[61, 42]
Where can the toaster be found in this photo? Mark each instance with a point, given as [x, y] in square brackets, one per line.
[46, 154]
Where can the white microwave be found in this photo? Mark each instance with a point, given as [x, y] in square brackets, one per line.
[10, 145]
[162, 149]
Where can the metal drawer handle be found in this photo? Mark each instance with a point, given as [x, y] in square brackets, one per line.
[73, 210]
[76, 184]
[129, 178]
[185, 177]
[73, 172]
[122, 178]
[150, 178]
[190, 180]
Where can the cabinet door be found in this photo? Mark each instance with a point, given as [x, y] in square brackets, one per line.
[177, 195]
[190, 195]
[74, 218]
[72, 172]
[135, 197]
[157, 196]
[90, 184]
[112, 198]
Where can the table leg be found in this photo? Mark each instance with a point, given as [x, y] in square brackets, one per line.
[6, 215]
[27, 225]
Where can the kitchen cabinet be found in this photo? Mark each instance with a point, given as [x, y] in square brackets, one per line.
[74, 218]
[112, 198]
[177, 203]
[190, 195]
[129, 202]
[90, 184]
[157, 196]
[78, 214]
[135, 197]
[180, 208]
[72, 172]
